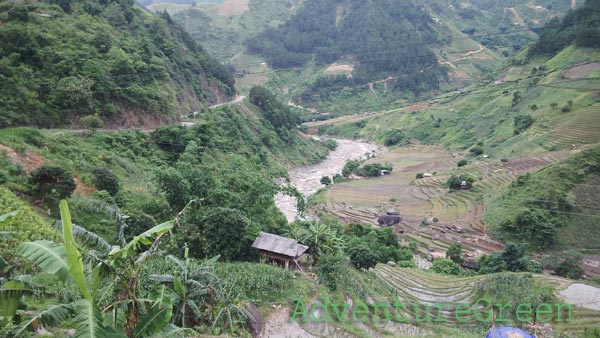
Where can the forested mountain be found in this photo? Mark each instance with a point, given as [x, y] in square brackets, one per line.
[581, 26]
[384, 38]
[62, 60]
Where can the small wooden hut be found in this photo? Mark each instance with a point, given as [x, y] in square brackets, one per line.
[281, 249]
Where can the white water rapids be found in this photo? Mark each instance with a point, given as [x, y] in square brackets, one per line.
[307, 178]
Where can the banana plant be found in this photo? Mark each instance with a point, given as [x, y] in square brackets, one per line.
[188, 285]
[96, 282]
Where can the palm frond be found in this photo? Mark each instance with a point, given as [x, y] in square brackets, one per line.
[5, 234]
[172, 331]
[47, 255]
[6, 216]
[87, 237]
[52, 316]
[177, 262]
[89, 321]
[162, 278]
[145, 238]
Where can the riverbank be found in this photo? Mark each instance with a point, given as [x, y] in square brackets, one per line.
[307, 178]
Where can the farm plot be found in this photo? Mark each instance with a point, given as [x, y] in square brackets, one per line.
[582, 127]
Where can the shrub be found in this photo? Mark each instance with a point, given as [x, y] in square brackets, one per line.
[373, 170]
[325, 180]
[92, 122]
[476, 150]
[362, 257]
[504, 160]
[51, 182]
[454, 253]
[3, 177]
[420, 175]
[455, 182]
[330, 144]
[522, 122]
[446, 266]
[330, 270]
[462, 163]
[393, 137]
[105, 179]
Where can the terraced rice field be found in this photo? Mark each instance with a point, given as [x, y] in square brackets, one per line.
[581, 127]
[417, 287]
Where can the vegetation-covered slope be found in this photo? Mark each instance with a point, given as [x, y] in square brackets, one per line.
[384, 38]
[59, 62]
[556, 207]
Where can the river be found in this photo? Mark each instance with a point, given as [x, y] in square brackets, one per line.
[307, 178]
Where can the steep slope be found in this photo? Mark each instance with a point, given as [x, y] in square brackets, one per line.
[61, 62]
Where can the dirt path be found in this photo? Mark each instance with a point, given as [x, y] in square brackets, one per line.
[307, 178]
[517, 17]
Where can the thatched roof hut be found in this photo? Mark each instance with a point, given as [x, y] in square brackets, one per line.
[279, 248]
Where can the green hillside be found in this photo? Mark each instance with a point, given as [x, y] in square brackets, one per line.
[60, 62]
[554, 208]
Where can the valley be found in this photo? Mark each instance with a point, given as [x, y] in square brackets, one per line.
[186, 169]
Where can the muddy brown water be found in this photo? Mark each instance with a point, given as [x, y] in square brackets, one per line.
[307, 178]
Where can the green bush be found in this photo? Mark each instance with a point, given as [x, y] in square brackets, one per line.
[420, 175]
[106, 179]
[521, 123]
[455, 182]
[476, 150]
[325, 180]
[462, 163]
[48, 182]
[92, 122]
[446, 266]
[454, 253]
[331, 270]
[394, 137]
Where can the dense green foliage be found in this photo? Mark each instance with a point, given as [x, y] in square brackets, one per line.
[512, 258]
[454, 253]
[106, 179]
[51, 183]
[579, 26]
[385, 37]
[460, 182]
[80, 58]
[522, 122]
[446, 266]
[367, 247]
[274, 111]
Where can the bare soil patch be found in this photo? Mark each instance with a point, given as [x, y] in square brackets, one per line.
[340, 68]
[29, 160]
[233, 7]
[582, 70]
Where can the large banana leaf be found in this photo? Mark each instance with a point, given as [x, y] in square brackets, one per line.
[48, 256]
[10, 298]
[8, 215]
[88, 321]
[145, 238]
[74, 260]
[157, 317]
[53, 315]
[87, 237]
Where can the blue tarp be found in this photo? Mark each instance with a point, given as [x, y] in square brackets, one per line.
[508, 332]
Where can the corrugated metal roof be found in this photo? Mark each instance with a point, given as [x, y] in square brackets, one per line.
[280, 245]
